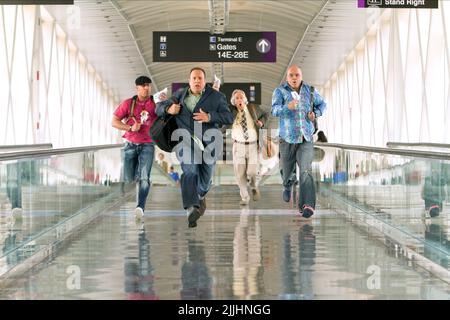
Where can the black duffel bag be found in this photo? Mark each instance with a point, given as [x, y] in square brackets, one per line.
[161, 132]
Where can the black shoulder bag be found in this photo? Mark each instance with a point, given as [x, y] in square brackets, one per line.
[161, 132]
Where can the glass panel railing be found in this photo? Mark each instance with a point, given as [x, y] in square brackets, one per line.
[46, 196]
[403, 193]
[423, 146]
[40, 197]
[388, 190]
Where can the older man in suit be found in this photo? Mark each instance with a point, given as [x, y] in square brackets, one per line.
[248, 119]
[199, 112]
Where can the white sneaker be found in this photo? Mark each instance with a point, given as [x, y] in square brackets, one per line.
[138, 213]
[244, 202]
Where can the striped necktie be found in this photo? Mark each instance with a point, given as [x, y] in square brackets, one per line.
[244, 124]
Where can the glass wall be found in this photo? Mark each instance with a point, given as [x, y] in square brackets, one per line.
[394, 85]
[50, 92]
[405, 198]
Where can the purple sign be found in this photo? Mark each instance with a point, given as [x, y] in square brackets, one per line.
[410, 4]
[36, 2]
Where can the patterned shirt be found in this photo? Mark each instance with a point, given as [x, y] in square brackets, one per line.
[295, 123]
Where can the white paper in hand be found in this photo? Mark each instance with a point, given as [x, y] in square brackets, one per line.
[217, 81]
[157, 95]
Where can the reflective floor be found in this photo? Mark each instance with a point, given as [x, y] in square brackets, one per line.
[402, 208]
[252, 253]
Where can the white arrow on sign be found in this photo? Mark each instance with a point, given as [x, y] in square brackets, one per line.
[263, 45]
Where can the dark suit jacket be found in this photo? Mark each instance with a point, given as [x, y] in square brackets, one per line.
[212, 102]
[257, 114]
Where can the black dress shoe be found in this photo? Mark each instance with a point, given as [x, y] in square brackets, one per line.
[434, 211]
[193, 216]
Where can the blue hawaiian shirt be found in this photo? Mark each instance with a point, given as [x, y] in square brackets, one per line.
[295, 123]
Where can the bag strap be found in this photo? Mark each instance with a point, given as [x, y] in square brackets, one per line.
[133, 104]
[252, 109]
[311, 99]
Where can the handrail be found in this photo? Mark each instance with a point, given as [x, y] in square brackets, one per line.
[400, 152]
[27, 146]
[417, 144]
[53, 152]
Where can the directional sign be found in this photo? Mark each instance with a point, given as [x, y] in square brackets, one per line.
[412, 4]
[252, 90]
[263, 45]
[206, 47]
[43, 2]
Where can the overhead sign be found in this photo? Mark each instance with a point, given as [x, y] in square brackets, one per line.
[252, 90]
[415, 4]
[206, 47]
[43, 2]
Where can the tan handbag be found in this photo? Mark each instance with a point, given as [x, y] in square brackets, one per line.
[269, 148]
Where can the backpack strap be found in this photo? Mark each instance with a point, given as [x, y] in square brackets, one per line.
[133, 104]
[311, 100]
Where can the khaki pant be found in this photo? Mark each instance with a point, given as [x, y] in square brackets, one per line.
[245, 164]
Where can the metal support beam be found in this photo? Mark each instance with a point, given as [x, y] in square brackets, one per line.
[219, 11]
[133, 36]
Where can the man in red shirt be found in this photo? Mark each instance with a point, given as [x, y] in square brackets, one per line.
[139, 149]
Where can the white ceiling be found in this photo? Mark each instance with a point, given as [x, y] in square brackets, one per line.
[116, 38]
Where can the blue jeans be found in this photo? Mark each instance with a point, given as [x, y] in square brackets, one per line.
[196, 180]
[303, 155]
[137, 166]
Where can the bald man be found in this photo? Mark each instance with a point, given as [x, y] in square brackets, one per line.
[291, 104]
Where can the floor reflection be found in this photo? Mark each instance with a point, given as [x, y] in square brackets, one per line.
[235, 254]
[195, 278]
[248, 281]
[138, 270]
[298, 273]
